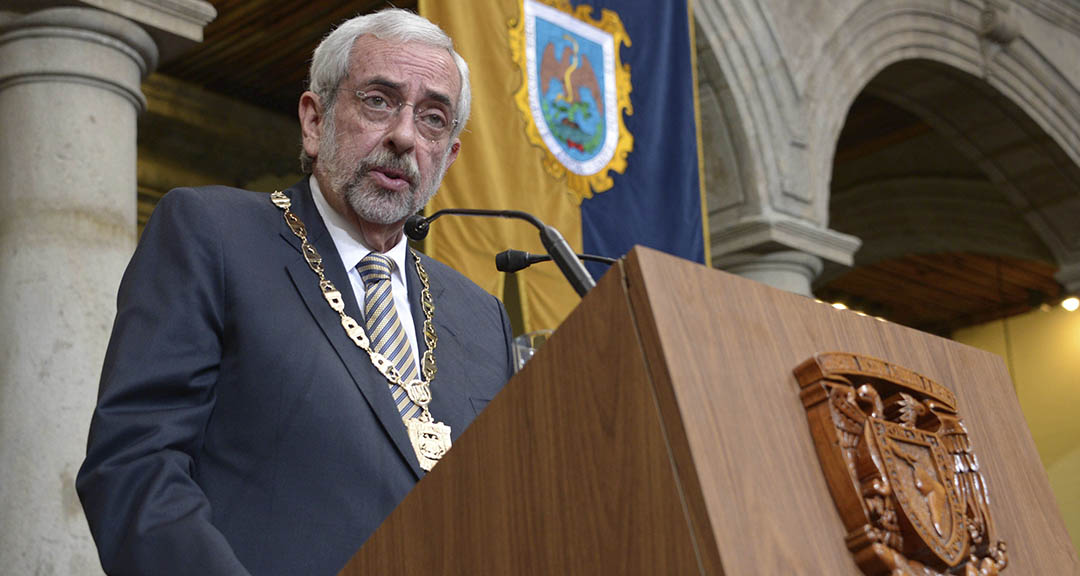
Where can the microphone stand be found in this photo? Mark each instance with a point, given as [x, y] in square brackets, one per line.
[416, 227]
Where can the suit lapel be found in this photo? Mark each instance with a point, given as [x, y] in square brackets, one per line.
[367, 378]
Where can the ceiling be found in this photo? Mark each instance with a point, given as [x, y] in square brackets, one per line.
[939, 293]
[944, 245]
[259, 50]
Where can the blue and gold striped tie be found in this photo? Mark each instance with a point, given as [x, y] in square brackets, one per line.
[384, 327]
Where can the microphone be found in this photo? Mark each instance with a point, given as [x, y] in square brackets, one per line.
[517, 260]
[416, 228]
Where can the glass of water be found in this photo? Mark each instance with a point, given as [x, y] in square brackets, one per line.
[527, 344]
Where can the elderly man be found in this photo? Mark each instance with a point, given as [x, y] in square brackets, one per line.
[283, 368]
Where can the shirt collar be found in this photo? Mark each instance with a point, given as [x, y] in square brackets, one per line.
[347, 240]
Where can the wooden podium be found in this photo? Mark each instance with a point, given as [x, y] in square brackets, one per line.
[661, 431]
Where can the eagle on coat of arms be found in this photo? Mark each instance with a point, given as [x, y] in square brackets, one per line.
[574, 91]
[900, 466]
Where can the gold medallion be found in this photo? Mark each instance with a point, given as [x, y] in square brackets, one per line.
[430, 440]
[419, 392]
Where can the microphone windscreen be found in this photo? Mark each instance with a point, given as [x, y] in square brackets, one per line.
[512, 260]
[502, 261]
[416, 227]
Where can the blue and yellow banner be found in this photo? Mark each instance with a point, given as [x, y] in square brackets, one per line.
[584, 114]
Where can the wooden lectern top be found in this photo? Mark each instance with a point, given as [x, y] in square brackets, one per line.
[661, 431]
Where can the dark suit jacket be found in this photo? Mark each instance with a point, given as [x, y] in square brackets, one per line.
[238, 429]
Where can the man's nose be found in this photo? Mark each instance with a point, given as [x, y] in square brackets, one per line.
[401, 133]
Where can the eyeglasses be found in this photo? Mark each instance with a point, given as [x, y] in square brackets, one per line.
[432, 121]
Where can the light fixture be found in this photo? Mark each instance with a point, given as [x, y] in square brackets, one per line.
[1071, 303]
[839, 306]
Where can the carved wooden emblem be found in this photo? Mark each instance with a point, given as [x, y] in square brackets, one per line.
[900, 467]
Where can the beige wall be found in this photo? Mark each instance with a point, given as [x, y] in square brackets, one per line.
[1042, 350]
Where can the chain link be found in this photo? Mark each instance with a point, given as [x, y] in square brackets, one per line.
[352, 327]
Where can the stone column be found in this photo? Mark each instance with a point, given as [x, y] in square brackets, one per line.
[69, 97]
[789, 270]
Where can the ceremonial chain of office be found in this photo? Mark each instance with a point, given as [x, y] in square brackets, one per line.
[430, 439]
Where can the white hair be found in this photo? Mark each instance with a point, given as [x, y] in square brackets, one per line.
[330, 63]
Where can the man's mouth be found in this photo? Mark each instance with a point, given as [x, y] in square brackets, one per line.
[390, 178]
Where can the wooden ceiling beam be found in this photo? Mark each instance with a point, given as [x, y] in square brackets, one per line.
[259, 50]
[298, 54]
[241, 45]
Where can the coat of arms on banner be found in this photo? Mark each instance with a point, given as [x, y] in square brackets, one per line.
[575, 90]
[901, 469]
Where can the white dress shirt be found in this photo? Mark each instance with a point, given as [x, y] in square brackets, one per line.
[351, 248]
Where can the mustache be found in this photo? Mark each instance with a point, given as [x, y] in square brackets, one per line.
[385, 161]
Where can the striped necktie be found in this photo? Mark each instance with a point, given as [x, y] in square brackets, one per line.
[384, 327]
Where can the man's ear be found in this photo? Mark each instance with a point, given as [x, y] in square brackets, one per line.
[454, 149]
[311, 122]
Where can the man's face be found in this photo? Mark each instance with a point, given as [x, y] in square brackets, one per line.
[386, 173]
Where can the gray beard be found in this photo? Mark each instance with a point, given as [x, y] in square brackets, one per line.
[373, 203]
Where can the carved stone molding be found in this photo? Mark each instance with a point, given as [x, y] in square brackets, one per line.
[175, 25]
[185, 18]
[1063, 13]
[999, 25]
[765, 234]
[77, 45]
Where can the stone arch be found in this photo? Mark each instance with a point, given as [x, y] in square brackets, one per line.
[881, 33]
[743, 63]
[1020, 173]
[753, 118]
